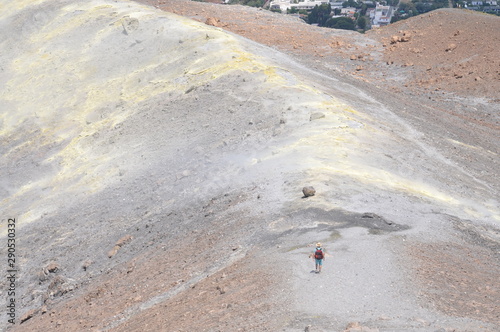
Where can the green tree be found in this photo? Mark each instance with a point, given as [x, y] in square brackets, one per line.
[407, 8]
[252, 3]
[344, 23]
[320, 14]
[362, 22]
[351, 3]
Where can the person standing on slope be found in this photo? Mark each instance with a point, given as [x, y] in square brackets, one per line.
[318, 256]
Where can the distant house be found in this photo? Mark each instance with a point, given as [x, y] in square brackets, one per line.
[336, 4]
[381, 16]
[349, 11]
[482, 3]
[285, 5]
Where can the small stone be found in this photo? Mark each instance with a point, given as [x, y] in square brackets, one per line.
[394, 39]
[221, 290]
[124, 240]
[52, 267]
[213, 22]
[42, 276]
[451, 47]
[113, 251]
[308, 191]
[120, 243]
[356, 327]
[28, 315]
[86, 264]
[316, 116]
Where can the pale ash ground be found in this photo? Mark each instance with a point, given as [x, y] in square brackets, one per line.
[182, 134]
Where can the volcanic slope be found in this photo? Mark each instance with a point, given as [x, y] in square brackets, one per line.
[154, 166]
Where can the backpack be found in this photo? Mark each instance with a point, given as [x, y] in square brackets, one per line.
[318, 254]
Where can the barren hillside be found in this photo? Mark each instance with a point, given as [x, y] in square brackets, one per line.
[155, 163]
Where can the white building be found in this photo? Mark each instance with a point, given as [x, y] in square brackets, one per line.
[381, 16]
[348, 11]
[284, 5]
[480, 3]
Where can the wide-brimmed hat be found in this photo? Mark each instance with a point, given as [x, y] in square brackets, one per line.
[318, 244]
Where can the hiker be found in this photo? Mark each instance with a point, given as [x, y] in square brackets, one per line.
[319, 257]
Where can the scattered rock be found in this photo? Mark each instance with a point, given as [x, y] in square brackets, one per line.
[120, 243]
[129, 25]
[130, 267]
[124, 240]
[60, 286]
[316, 116]
[86, 264]
[221, 290]
[397, 39]
[52, 267]
[113, 251]
[42, 276]
[451, 47]
[213, 22]
[356, 327]
[30, 314]
[308, 191]
[404, 39]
